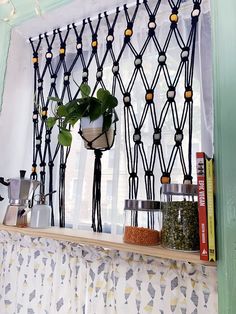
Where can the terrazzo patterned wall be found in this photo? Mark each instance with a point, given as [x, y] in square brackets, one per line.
[39, 275]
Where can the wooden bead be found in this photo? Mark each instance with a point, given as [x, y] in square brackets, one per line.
[174, 18]
[128, 32]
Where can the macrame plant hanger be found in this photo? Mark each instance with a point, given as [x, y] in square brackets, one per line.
[135, 148]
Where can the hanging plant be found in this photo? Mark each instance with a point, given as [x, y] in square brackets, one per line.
[92, 111]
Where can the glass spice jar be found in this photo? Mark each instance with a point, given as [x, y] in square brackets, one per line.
[142, 223]
[180, 217]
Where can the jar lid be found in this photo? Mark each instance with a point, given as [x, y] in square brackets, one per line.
[142, 205]
[179, 189]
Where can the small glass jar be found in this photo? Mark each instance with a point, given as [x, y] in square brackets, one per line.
[180, 217]
[142, 222]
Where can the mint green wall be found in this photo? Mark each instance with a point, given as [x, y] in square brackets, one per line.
[224, 62]
[24, 10]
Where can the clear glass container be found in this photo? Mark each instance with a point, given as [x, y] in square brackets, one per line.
[142, 223]
[180, 217]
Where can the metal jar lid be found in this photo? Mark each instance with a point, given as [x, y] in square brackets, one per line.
[144, 205]
[179, 189]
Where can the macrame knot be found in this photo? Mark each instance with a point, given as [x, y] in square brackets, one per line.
[171, 93]
[195, 13]
[174, 18]
[35, 116]
[44, 112]
[138, 61]
[152, 25]
[62, 51]
[127, 99]
[48, 57]
[67, 78]
[51, 164]
[94, 43]
[149, 173]
[128, 32]
[178, 137]
[185, 54]
[188, 179]
[63, 166]
[98, 153]
[115, 68]
[99, 74]
[53, 80]
[110, 38]
[85, 75]
[38, 141]
[149, 96]
[157, 137]
[79, 46]
[133, 175]
[165, 178]
[35, 60]
[188, 94]
[162, 58]
[137, 136]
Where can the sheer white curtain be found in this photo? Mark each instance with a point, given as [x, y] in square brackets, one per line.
[16, 123]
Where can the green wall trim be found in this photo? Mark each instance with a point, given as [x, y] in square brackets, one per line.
[224, 65]
[25, 11]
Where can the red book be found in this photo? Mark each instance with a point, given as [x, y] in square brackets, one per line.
[202, 205]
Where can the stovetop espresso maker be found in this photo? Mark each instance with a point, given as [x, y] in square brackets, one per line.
[20, 191]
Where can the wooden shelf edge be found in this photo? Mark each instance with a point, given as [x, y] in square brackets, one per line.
[107, 241]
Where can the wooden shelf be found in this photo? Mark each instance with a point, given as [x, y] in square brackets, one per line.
[106, 240]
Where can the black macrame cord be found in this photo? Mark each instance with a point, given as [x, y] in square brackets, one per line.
[43, 154]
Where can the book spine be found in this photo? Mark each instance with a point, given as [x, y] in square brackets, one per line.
[202, 206]
[210, 209]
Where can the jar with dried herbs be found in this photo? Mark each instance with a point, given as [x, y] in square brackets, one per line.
[180, 230]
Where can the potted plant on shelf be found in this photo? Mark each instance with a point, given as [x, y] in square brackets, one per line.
[97, 116]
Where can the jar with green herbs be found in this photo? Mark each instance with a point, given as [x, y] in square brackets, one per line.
[179, 207]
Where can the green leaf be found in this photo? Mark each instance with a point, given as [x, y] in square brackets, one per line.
[102, 94]
[95, 109]
[62, 111]
[107, 121]
[55, 99]
[51, 122]
[85, 90]
[113, 102]
[65, 137]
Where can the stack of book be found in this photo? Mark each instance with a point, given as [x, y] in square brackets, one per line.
[206, 206]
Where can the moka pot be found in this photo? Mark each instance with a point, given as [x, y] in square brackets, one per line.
[20, 190]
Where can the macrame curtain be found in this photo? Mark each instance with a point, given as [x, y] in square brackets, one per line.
[53, 60]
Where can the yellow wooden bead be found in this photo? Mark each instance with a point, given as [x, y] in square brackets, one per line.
[165, 180]
[188, 94]
[62, 51]
[35, 60]
[174, 18]
[128, 32]
[94, 43]
[44, 113]
[149, 96]
[34, 169]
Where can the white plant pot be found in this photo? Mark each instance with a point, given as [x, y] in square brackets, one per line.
[92, 129]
